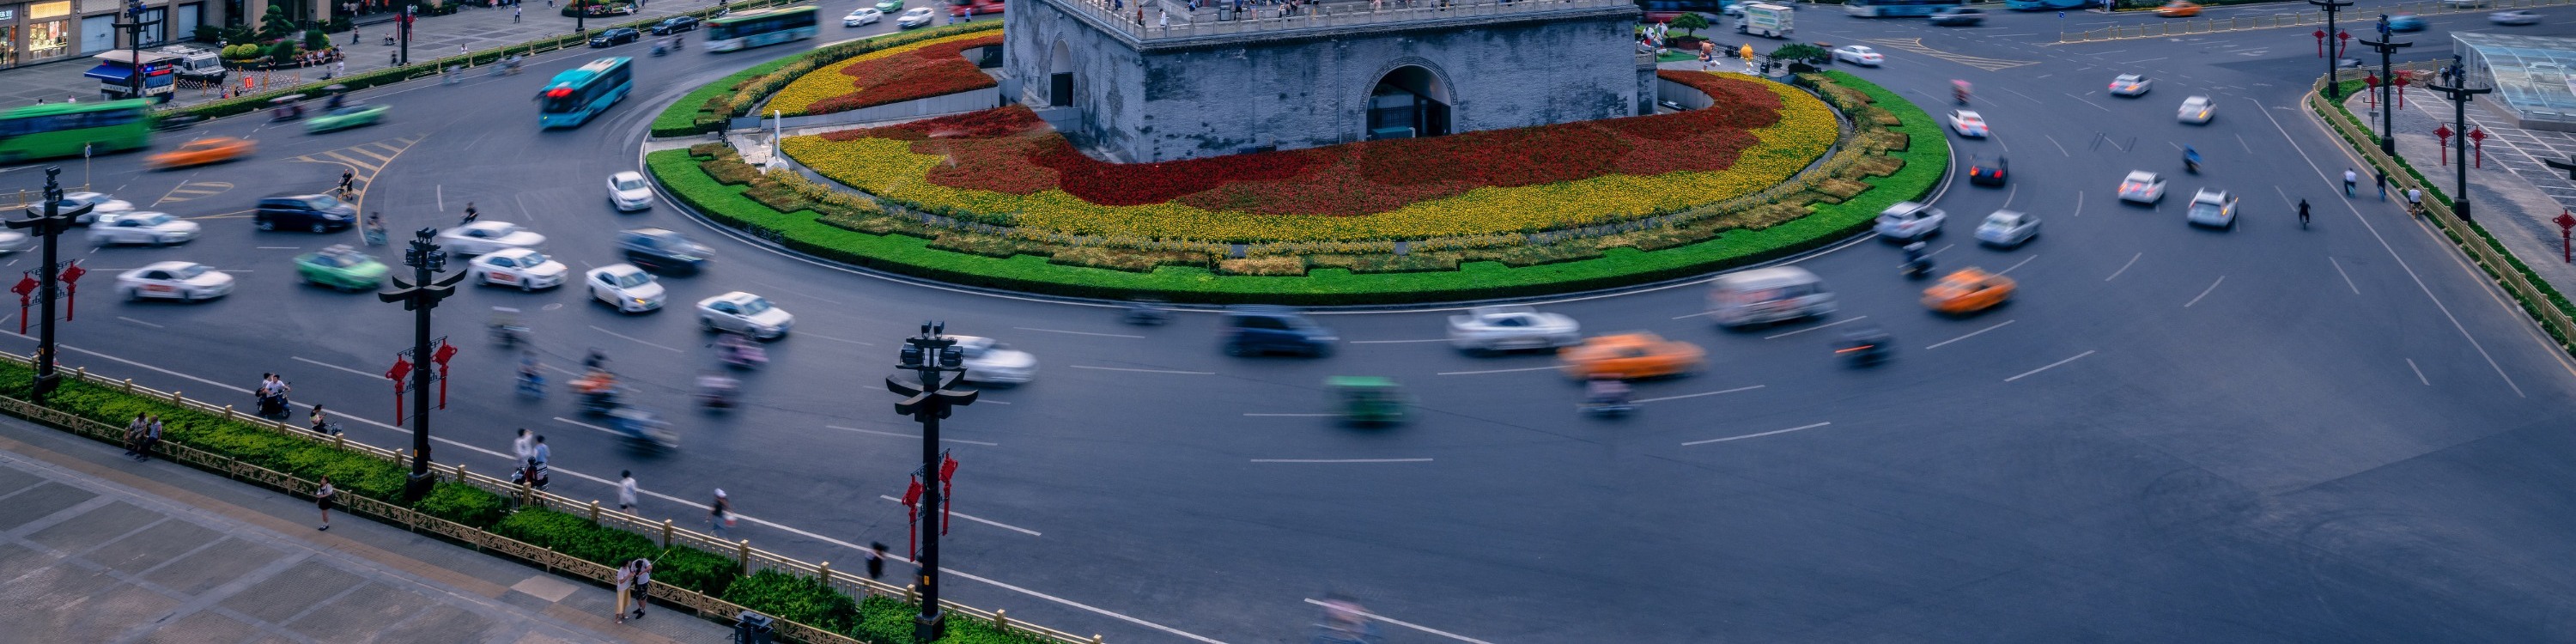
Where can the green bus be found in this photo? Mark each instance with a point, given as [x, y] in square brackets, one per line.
[62, 130]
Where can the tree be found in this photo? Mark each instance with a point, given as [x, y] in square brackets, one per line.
[1690, 22]
[1799, 51]
[276, 26]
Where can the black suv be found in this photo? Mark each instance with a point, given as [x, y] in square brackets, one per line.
[316, 212]
[618, 36]
[675, 25]
[659, 250]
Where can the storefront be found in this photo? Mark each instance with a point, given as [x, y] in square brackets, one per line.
[43, 31]
[46, 32]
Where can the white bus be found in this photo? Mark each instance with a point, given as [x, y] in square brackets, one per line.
[757, 28]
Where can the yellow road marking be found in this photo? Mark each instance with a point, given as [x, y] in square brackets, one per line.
[362, 165]
[378, 157]
[1915, 45]
[237, 214]
[192, 190]
[363, 173]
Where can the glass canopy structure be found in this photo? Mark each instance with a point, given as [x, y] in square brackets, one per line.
[2531, 76]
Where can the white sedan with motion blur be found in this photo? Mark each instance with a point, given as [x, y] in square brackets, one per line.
[2214, 208]
[1968, 124]
[2142, 187]
[914, 17]
[990, 361]
[746, 314]
[862, 16]
[626, 287]
[2008, 229]
[2196, 110]
[487, 237]
[99, 204]
[2130, 85]
[527, 269]
[2515, 18]
[1503, 328]
[1859, 55]
[628, 192]
[155, 228]
[183, 281]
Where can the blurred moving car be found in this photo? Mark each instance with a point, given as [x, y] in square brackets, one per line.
[1502, 328]
[659, 250]
[524, 268]
[2212, 208]
[1910, 221]
[155, 228]
[2405, 22]
[914, 17]
[862, 16]
[2178, 9]
[628, 191]
[2142, 187]
[2514, 18]
[12, 241]
[2008, 229]
[317, 212]
[744, 313]
[1767, 295]
[989, 361]
[626, 287]
[1968, 290]
[1260, 329]
[889, 6]
[184, 281]
[347, 116]
[99, 205]
[2130, 85]
[1369, 400]
[1986, 172]
[675, 24]
[1859, 55]
[488, 236]
[1631, 355]
[201, 152]
[2196, 110]
[1968, 124]
[1958, 17]
[341, 267]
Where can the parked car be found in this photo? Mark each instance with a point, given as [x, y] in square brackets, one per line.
[155, 228]
[2514, 18]
[1909, 221]
[1498, 328]
[2008, 229]
[1958, 17]
[675, 24]
[617, 36]
[1260, 329]
[659, 250]
[319, 213]
[1859, 55]
[862, 16]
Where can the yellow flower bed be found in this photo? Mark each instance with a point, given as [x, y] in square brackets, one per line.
[827, 82]
[890, 168]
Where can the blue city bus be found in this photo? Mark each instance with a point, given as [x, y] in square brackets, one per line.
[2044, 5]
[1884, 8]
[580, 93]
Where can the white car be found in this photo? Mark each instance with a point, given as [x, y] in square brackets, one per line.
[187, 281]
[12, 241]
[2142, 187]
[626, 287]
[155, 228]
[100, 204]
[1968, 124]
[2129, 85]
[2514, 18]
[628, 192]
[1498, 328]
[2212, 208]
[862, 16]
[2196, 110]
[524, 268]
[989, 361]
[914, 17]
[1909, 221]
[1859, 55]
[744, 313]
[488, 236]
[2008, 229]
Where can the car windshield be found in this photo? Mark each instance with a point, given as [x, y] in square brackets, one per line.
[2002, 221]
[334, 260]
[154, 219]
[322, 202]
[532, 259]
[628, 280]
[2129, 79]
[190, 271]
[630, 183]
[754, 306]
[2203, 208]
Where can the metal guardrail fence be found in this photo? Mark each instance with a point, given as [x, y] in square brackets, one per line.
[2358, 19]
[2470, 242]
[663, 532]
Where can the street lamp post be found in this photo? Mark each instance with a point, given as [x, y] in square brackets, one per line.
[131, 22]
[2387, 110]
[49, 224]
[2333, 50]
[936, 363]
[402, 23]
[420, 295]
[2460, 94]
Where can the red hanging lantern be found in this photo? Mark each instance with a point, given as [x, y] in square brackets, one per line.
[402, 368]
[2372, 81]
[440, 356]
[2444, 131]
[2402, 80]
[912, 519]
[2321, 42]
[26, 290]
[947, 468]
[2478, 142]
[71, 288]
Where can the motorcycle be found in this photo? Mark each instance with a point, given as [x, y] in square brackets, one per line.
[1146, 313]
[741, 354]
[658, 50]
[717, 392]
[1918, 264]
[643, 429]
[1607, 398]
[1866, 346]
[272, 406]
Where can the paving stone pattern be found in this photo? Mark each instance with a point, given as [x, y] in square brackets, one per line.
[2514, 195]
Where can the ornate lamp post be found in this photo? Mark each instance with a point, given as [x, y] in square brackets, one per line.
[2334, 50]
[2460, 94]
[420, 295]
[49, 223]
[2387, 110]
[936, 363]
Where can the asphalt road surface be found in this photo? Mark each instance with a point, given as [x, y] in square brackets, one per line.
[2337, 433]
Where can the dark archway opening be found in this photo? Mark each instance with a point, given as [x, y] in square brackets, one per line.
[1060, 76]
[1408, 102]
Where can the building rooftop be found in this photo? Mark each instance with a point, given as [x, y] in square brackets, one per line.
[1140, 24]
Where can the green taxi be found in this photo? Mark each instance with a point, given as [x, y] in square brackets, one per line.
[341, 267]
[348, 116]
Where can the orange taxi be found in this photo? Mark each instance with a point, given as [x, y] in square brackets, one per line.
[2178, 9]
[204, 151]
[1968, 290]
[1630, 355]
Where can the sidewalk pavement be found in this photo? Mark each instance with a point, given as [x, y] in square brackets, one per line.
[477, 28]
[98, 548]
[2513, 196]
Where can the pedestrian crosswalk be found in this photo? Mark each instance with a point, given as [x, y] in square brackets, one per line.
[188, 190]
[1915, 45]
[364, 161]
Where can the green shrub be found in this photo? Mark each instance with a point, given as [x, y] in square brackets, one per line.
[464, 503]
[794, 598]
[315, 40]
[698, 570]
[576, 536]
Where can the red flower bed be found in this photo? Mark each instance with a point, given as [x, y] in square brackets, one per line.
[1009, 150]
[935, 70]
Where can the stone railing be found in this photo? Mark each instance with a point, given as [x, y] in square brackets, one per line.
[1136, 24]
[663, 531]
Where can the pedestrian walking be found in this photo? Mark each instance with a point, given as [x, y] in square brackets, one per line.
[643, 591]
[322, 498]
[2382, 182]
[720, 514]
[514, 13]
[876, 560]
[339, 67]
[2303, 209]
[134, 437]
[348, 181]
[470, 214]
[625, 491]
[2351, 180]
[538, 458]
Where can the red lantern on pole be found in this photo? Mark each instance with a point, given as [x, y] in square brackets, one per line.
[2566, 226]
[26, 290]
[2402, 80]
[402, 368]
[912, 517]
[947, 468]
[2370, 97]
[2343, 42]
[440, 357]
[2478, 142]
[2321, 42]
[71, 288]
[2444, 131]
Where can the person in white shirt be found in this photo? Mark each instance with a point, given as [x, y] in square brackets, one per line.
[626, 491]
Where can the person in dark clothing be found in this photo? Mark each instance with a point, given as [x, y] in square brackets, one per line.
[876, 559]
[2303, 212]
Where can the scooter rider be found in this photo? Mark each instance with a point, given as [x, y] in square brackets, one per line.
[1605, 390]
[717, 390]
[1916, 261]
[2190, 160]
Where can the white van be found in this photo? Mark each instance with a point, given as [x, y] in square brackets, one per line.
[196, 64]
[1767, 295]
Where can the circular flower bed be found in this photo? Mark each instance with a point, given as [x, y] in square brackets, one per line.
[1005, 166]
[934, 67]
